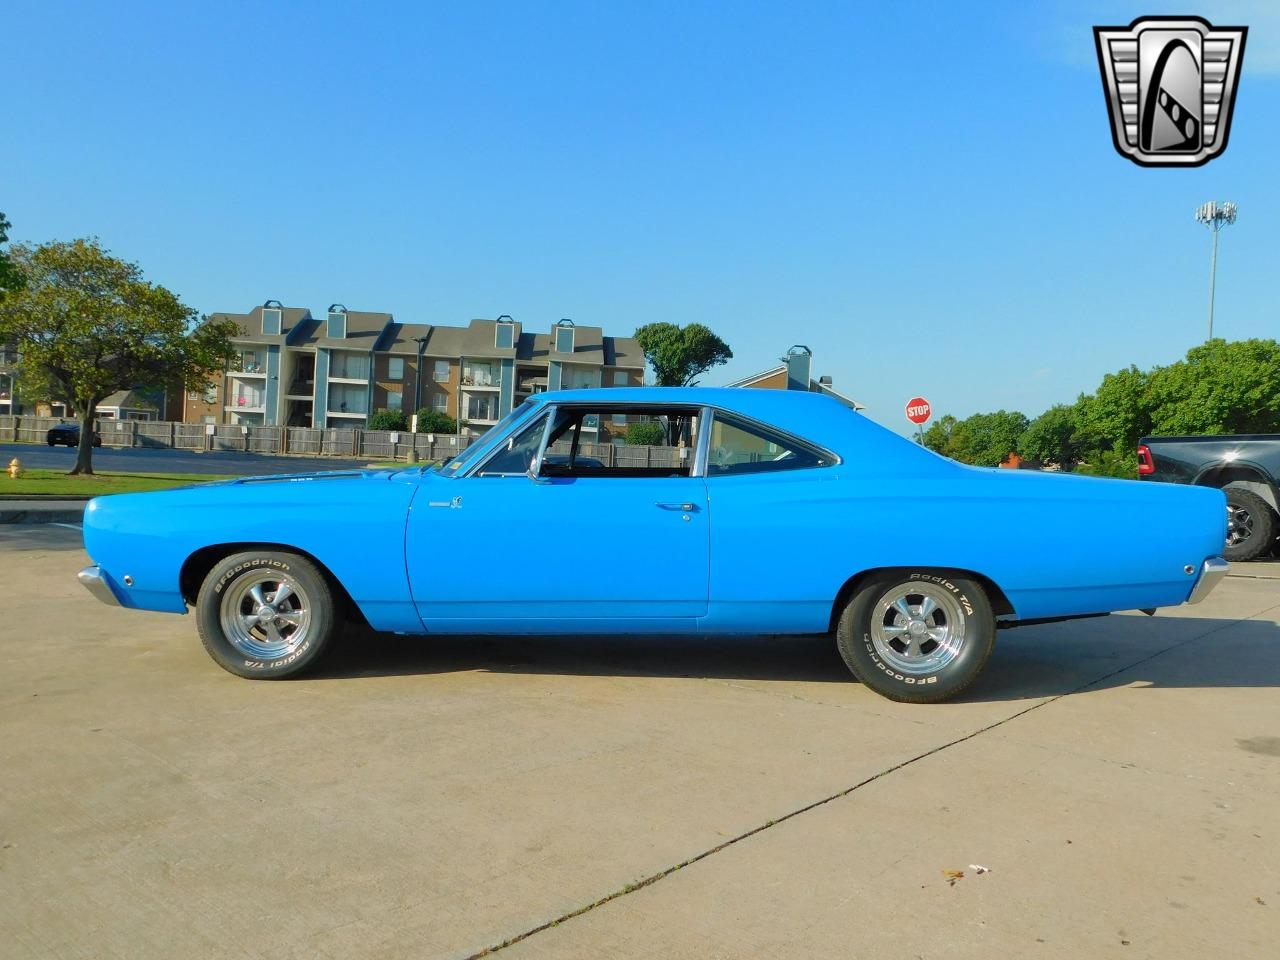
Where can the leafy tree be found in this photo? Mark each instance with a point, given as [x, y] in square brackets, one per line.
[1220, 387]
[679, 355]
[10, 276]
[89, 324]
[389, 420]
[938, 437]
[644, 433]
[986, 439]
[1118, 412]
[433, 421]
[1051, 437]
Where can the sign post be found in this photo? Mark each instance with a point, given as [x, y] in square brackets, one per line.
[918, 412]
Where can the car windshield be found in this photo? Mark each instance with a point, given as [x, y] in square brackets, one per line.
[461, 463]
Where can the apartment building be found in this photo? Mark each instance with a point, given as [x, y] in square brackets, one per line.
[296, 369]
[794, 372]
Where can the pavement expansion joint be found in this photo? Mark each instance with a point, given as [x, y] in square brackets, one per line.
[712, 851]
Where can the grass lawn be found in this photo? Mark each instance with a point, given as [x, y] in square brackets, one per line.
[36, 483]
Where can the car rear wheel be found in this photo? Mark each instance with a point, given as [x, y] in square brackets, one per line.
[1251, 525]
[265, 614]
[917, 636]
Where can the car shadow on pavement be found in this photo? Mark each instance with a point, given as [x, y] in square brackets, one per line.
[1029, 663]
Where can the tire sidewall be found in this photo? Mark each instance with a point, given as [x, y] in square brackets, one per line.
[858, 650]
[1262, 537]
[223, 577]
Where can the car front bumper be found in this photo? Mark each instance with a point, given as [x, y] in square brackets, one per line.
[1211, 571]
[95, 582]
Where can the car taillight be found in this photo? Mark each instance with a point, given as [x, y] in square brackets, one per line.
[1146, 466]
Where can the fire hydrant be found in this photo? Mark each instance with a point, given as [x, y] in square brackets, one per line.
[15, 468]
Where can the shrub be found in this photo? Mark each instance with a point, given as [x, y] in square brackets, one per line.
[1119, 463]
[389, 420]
[644, 434]
[433, 421]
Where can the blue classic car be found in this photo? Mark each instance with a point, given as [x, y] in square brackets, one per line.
[768, 512]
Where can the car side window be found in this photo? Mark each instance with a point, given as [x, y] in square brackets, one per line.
[517, 453]
[743, 448]
[621, 442]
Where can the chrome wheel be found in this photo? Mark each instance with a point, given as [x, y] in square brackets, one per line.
[1239, 524]
[917, 628]
[265, 615]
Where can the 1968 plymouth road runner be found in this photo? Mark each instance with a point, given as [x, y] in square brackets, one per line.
[772, 512]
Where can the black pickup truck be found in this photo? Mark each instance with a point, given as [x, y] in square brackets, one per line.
[1246, 467]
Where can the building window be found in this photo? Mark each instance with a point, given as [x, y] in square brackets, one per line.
[564, 339]
[440, 402]
[621, 378]
[395, 400]
[504, 335]
[482, 407]
[338, 325]
[442, 371]
[478, 374]
[395, 368]
[208, 395]
[348, 366]
[271, 321]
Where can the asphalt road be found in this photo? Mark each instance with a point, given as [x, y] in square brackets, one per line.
[171, 461]
[631, 798]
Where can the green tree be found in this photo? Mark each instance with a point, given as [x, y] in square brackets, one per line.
[644, 433]
[679, 355]
[938, 437]
[433, 421]
[1051, 437]
[10, 276]
[89, 324]
[1220, 387]
[1117, 413]
[985, 439]
[389, 420]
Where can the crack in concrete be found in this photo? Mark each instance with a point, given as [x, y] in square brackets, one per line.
[711, 851]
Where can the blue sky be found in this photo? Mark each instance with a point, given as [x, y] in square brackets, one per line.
[925, 194]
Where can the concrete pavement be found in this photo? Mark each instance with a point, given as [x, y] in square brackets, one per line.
[439, 798]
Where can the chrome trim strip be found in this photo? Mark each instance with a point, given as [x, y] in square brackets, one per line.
[704, 443]
[96, 583]
[1211, 571]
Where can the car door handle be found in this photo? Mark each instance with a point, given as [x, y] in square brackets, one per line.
[686, 507]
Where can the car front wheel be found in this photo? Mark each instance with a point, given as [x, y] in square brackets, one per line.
[265, 614]
[917, 636]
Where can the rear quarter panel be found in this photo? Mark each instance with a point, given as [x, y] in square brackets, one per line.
[783, 545]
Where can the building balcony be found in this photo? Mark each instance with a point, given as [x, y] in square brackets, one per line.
[469, 386]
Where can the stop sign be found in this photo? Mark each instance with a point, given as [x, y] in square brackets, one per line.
[918, 410]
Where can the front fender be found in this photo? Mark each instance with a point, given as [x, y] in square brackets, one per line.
[352, 524]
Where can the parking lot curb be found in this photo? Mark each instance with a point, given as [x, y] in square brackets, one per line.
[17, 509]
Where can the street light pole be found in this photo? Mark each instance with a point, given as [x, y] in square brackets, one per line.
[1215, 216]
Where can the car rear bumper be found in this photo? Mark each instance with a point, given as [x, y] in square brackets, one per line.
[95, 582]
[1211, 571]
